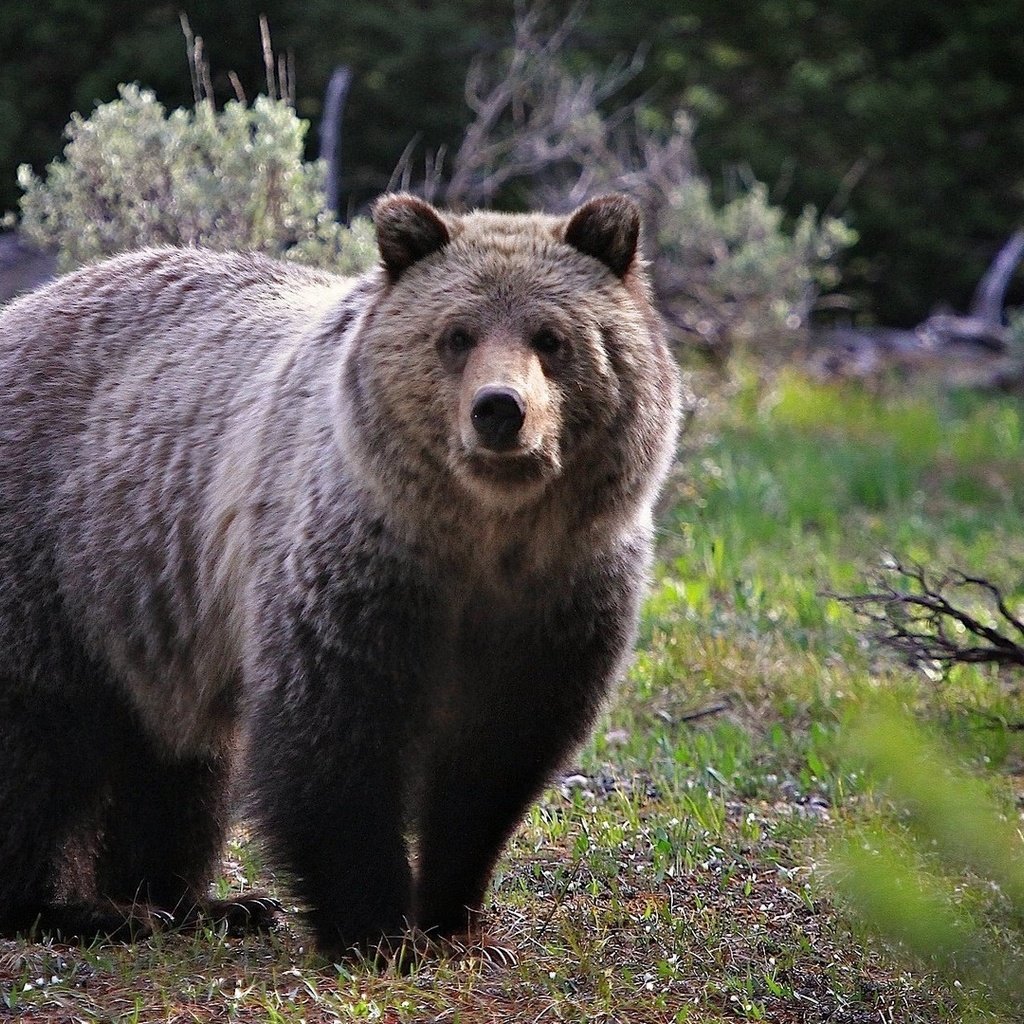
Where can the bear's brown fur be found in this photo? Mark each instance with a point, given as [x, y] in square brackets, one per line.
[371, 548]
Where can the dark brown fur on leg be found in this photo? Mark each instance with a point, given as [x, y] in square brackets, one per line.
[164, 832]
[56, 757]
[524, 702]
[338, 685]
[164, 827]
[104, 836]
[339, 832]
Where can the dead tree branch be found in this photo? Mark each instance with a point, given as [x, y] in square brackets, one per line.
[987, 304]
[947, 619]
[535, 121]
[330, 131]
[945, 341]
[280, 68]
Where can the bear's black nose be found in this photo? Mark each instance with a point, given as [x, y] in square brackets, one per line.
[498, 414]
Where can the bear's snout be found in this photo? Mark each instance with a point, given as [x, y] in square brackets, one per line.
[498, 414]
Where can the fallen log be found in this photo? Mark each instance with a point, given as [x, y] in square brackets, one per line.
[974, 348]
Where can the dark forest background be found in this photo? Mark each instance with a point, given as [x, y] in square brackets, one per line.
[907, 120]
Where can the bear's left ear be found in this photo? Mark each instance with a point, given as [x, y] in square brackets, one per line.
[407, 230]
[607, 228]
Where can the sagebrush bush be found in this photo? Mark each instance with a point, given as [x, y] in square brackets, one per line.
[735, 275]
[133, 175]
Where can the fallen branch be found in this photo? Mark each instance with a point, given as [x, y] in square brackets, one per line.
[987, 304]
[978, 343]
[921, 616]
[706, 712]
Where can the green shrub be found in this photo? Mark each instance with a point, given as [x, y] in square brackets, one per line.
[735, 274]
[133, 175]
[941, 879]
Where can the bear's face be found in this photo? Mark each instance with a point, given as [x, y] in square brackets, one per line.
[505, 351]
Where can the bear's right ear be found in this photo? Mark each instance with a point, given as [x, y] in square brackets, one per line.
[407, 230]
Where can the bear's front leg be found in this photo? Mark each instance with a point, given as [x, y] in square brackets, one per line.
[525, 682]
[323, 757]
[478, 785]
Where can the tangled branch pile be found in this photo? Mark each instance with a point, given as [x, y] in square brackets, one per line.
[941, 620]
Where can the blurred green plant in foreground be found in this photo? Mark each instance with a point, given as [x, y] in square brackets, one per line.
[903, 873]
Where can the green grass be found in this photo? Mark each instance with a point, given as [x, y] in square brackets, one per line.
[688, 869]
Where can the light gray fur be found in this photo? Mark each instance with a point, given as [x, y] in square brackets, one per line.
[157, 414]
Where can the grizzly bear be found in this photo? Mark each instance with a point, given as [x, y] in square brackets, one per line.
[366, 554]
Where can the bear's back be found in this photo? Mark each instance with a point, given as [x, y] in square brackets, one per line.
[120, 385]
[168, 328]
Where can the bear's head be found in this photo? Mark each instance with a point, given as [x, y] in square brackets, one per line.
[511, 356]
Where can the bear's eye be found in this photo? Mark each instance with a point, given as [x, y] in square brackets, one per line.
[458, 341]
[547, 343]
[453, 347]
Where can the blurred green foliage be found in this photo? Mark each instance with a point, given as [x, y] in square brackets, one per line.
[907, 121]
[904, 873]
